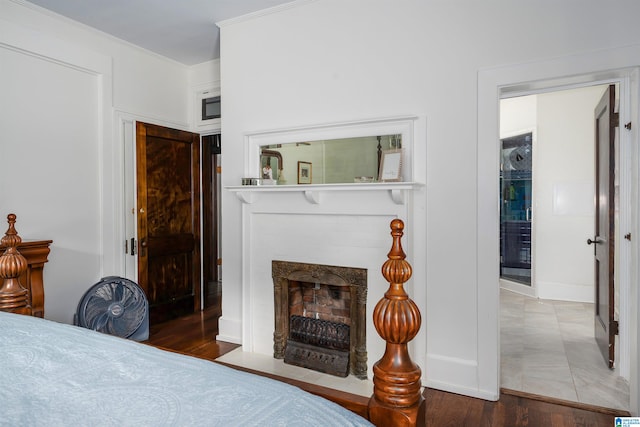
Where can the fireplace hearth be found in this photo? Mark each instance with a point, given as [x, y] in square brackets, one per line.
[320, 315]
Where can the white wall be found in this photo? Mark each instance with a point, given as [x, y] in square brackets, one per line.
[61, 149]
[53, 196]
[331, 61]
[565, 193]
[518, 115]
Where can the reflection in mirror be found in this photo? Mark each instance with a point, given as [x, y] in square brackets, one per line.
[271, 165]
[334, 161]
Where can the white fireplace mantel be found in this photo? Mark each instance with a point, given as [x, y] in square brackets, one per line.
[313, 192]
[345, 224]
[340, 224]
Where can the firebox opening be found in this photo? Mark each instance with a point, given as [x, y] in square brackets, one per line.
[320, 317]
[319, 327]
[319, 301]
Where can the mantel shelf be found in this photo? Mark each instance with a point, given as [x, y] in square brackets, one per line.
[313, 192]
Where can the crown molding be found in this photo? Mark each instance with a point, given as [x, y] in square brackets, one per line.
[263, 12]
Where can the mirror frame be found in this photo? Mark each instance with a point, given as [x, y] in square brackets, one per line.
[255, 142]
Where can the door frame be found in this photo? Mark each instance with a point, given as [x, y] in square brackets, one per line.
[606, 66]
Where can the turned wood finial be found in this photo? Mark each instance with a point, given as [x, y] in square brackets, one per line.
[397, 385]
[13, 297]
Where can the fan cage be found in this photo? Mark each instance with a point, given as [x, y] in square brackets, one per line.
[114, 306]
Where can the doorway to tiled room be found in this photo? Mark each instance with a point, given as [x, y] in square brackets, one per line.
[547, 344]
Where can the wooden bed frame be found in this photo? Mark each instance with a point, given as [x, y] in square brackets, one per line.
[397, 391]
[397, 395]
[13, 296]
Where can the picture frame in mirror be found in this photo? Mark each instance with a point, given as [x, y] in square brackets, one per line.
[304, 172]
[390, 166]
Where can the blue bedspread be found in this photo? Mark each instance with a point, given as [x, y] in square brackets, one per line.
[54, 374]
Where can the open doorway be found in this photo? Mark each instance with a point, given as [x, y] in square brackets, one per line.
[547, 342]
[211, 214]
[618, 65]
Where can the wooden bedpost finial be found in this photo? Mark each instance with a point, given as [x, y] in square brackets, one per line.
[13, 297]
[397, 393]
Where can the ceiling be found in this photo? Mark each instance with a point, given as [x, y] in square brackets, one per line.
[183, 30]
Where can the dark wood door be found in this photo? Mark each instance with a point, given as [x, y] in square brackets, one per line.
[168, 202]
[605, 326]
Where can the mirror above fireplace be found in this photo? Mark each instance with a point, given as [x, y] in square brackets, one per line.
[333, 153]
[333, 161]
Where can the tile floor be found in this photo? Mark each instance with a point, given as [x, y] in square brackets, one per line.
[547, 348]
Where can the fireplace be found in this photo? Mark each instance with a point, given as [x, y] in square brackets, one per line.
[320, 317]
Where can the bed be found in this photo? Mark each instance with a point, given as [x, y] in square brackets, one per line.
[58, 374]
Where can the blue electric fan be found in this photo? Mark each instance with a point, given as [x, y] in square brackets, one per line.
[115, 306]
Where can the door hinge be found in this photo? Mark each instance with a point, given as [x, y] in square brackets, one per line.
[628, 236]
[219, 261]
[613, 328]
[628, 126]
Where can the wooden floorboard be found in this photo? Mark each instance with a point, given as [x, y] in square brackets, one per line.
[448, 409]
[195, 335]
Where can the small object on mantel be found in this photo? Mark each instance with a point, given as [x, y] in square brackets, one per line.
[14, 298]
[363, 179]
[252, 181]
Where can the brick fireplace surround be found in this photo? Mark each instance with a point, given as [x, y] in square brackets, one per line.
[348, 304]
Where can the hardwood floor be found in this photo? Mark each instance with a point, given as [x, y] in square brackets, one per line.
[447, 409]
[195, 335]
